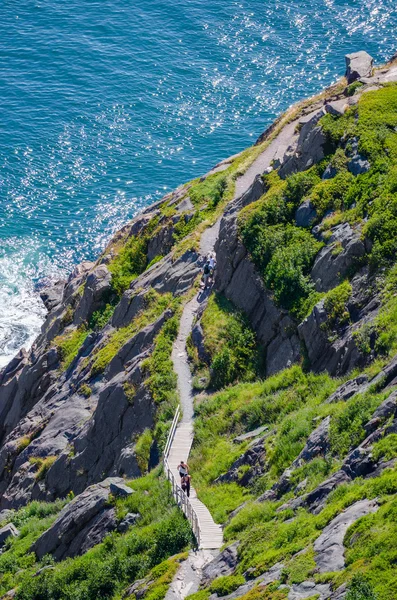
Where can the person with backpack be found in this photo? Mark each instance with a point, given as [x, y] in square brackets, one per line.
[185, 483]
[206, 274]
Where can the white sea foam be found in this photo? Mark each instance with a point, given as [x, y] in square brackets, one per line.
[21, 310]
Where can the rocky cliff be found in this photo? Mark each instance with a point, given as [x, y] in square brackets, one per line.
[293, 351]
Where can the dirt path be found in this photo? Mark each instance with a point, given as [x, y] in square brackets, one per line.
[276, 149]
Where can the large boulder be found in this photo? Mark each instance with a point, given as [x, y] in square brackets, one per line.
[317, 443]
[343, 251]
[328, 547]
[96, 287]
[309, 147]
[305, 214]
[357, 164]
[52, 294]
[253, 458]
[8, 531]
[358, 64]
[223, 564]
[81, 524]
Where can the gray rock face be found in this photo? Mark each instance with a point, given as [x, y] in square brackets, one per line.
[358, 64]
[317, 443]
[119, 488]
[335, 357]
[357, 164]
[350, 388]
[198, 342]
[224, 564]
[8, 531]
[387, 409]
[309, 148]
[338, 108]
[328, 547]
[81, 524]
[160, 243]
[254, 458]
[98, 448]
[251, 434]
[52, 295]
[336, 351]
[336, 259]
[238, 279]
[309, 589]
[96, 287]
[306, 214]
[129, 520]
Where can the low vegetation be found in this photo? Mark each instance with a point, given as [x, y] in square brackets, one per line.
[231, 345]
[155, 305]
[106, 570]
[283, 253]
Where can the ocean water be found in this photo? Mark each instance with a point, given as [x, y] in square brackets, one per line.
[108, 104]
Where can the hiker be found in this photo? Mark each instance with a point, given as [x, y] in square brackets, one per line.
[212, 264]
[185, 483]
[183, 469]
[206, 274]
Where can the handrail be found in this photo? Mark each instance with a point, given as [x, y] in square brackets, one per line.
[179, 495]
[172, 432]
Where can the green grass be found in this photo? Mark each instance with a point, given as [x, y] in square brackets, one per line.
[106, 570]
[43, 465]
[69, 344]
[287, 402]
[230, 342]
[142, 450]
[156, 304]
[157, 582]
[162, 380]
[222, 586]
[16, 562]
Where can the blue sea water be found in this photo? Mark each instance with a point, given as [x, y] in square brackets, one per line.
[108, 104]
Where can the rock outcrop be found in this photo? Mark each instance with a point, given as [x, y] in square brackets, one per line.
[82, 524]
[358, 64]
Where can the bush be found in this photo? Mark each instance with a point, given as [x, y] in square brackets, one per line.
[130, 262]
[360, 589]
[335, 302]
[222, 586]
[142, 450]
[69, 344]
[230, 343]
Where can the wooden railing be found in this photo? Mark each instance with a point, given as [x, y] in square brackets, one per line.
[179, 495]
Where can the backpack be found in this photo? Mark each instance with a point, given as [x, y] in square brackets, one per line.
[206, 270]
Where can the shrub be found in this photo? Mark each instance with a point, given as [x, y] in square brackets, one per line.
[360, 589]
[230, 343]
[69, 344]
[222, 586]
[335, 302]
[43, 465]
[353, 87]
[142, 450]
[85, 390]
[130, 262]
[101, 317]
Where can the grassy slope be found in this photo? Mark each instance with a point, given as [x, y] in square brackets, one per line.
[106, 570]
[291, 403]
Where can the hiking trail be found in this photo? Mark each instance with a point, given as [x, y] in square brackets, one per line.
[188, 578]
